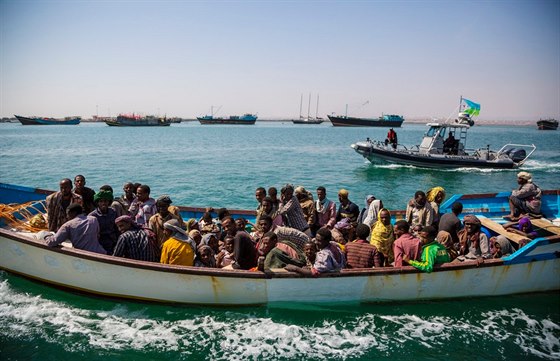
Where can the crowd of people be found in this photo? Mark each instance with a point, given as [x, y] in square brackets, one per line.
[296, 231]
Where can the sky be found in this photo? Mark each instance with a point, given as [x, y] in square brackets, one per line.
[179, 58]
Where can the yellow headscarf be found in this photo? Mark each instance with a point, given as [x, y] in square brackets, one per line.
[432, 193]
[382, 237]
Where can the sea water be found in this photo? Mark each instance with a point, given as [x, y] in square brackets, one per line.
[221, 166]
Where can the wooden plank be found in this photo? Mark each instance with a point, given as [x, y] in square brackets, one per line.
[498, 228]
[546, 225]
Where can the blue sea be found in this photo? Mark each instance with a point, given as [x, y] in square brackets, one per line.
[221, 166]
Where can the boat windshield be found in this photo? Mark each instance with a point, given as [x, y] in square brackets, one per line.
[434, 130]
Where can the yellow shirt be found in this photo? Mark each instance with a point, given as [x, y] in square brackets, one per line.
[177, 252]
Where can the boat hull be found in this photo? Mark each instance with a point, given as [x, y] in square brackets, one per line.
[138, 122]
[550, 124]
[116, 277]
[379, 155]
[226, 121]
[310, 121]
[342, 121]
[48, 121]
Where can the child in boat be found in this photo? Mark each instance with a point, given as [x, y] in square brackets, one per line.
[225, 257]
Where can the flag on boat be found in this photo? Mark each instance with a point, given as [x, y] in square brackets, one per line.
[472, 107]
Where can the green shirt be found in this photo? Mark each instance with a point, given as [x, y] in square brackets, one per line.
[432, 253]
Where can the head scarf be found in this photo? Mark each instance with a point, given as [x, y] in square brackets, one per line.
[432, 194]
[206, 238]
[382, 236]
[179, 233]
[525, 221]
[368, 197]
[106, 195]
[212, 260]
[344, 223]
[191, 224]
[444, 238]
[472, 240]
[126, 218]
[505, 245]
[343, 192]
[525, 175]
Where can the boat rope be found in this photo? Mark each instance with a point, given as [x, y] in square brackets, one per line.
[26, 216]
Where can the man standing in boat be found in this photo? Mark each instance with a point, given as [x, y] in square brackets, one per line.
[392, 138]
[58, 202]
[86, 193]
[143, 207]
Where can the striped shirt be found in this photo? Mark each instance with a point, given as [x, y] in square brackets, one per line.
[361, 254]
[135, 244]
[293, 216]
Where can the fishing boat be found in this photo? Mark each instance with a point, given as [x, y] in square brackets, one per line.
[246, 118]
[136, 120]
[385, 120]
[437, 151]
[48, 121]
[308, 119]
[547, 124]
[534, 267]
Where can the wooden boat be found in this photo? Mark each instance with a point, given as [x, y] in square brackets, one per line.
[439, 152]
[533, 268]
[547, 124]
[48, 121]
[246, 119]
[135, 120]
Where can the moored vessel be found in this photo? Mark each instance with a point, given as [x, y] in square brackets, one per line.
[547, 124]
[136, 120]
[75, 120]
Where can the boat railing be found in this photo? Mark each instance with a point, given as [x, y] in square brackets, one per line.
[508, 147]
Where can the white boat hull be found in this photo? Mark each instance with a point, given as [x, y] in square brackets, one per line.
[116, 277]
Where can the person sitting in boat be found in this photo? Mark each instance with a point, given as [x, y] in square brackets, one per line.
[306, 202]
[435, 196]
[244, 250]
[260, 193]
[273, 194]
[163, 215]
[268, 210]
[179, 248]
[106, 216]
[86, 193]
[433, 253]
[225, 257]
[526, 199]
[325, 210]
[360, 253]
[292, 235]
[419, 211]
[450, 222]
[500, 246]
[310, 250]
[135, 242]
[372, 211]
[329, 258]
[405, 243]
[205, 257]
[523, 227]
[196, 236]
[207, 224]
[473, 243]
[347, 209]
[278, 254]
[122, 204]
[58, 202]
[291, 211]
[450, 145]
[81, 230]
[383, 236]
[210, 240]
[343, 232]
[143, 207]
[444, 238]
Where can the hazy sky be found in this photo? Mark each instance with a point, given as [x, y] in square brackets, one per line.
[414, 58]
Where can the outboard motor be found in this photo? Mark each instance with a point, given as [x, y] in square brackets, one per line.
[517, 154]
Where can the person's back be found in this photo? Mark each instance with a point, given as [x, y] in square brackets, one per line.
[179, 249]
[405, 244]
[81, 230]
[361, 254]
[135, 244]
[450, 222]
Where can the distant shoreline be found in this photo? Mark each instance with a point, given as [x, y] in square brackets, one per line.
[517, 123]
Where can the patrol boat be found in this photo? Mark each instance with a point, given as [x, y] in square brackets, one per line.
[437, 151]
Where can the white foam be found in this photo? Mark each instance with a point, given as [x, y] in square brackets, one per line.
[240, 335]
